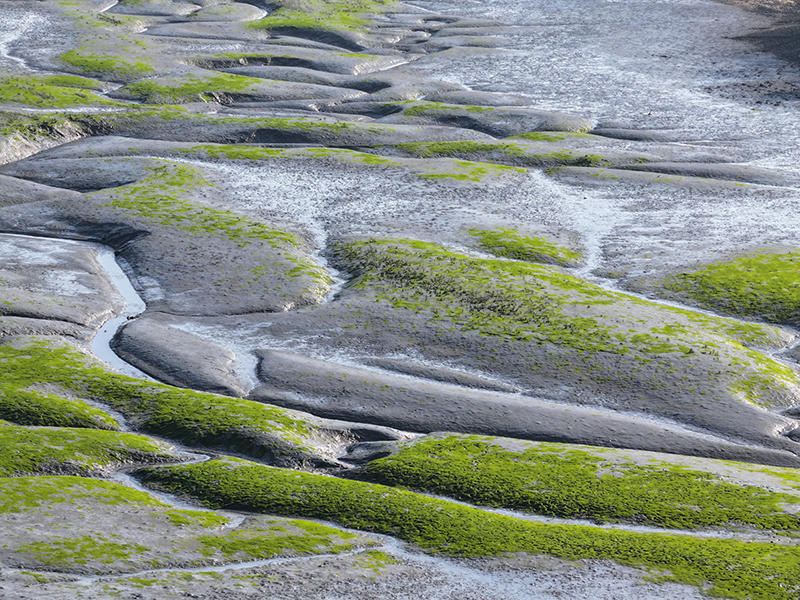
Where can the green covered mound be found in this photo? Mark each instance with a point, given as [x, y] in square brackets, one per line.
[31, 407]
[177, 90]
[515, 300]
[80, 451]
[762, 286]
[321, 14]
[508, 243]
[198, 418]
[59, 91]
[764, 571]
[507, 152]
[560, 480]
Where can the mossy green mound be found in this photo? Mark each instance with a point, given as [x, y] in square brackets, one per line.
[281, 538]
[464, 170]
[189, 89]
[508, 243]
[32, 126]
[190, 417]
[728, 568]
[68, 551]
[80, 451]
[542, 136]
[559, 480]
[458, 170]
[347, 15]
[498, 298]
[252, 543]
[51, 92]
[161, 198]
[33, 407]
[21, 494]
[240, 152]
[105, 64]
[506, 153]
[763, 286]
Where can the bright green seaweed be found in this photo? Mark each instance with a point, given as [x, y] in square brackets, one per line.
[260, 543]
[75, 450]
[561, 480]
[327, 15]
[507, 153]
[187, 89]
[511, 244]
[51, 92]
[18, 494]
[764, 286]
[91, 62]
[80, 550]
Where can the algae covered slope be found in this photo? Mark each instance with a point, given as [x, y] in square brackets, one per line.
[157, 215]
[561, 480]
[761, 286]
[81, 451]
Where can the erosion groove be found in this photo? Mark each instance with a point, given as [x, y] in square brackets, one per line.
[442, 299]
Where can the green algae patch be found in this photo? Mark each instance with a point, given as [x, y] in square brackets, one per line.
[463, 170]
[495, 297]
[51, 92]
[195, 518]
[763, 286]
[236, 152]
[81, 451]
[73, 81]
[80, 550]
[426, 109]
[498, 298]
[504, 153]
[32, 126]
[19, 494]
[180, 90]
[25, 407]
[290, 538]
[192, 417]
[375, 561]
[508, 243]
[559, 480]
[762, 571]
[240, 152]
[104, 64]
[541, 136]
[326, 15]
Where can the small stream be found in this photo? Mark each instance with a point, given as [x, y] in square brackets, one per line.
[134, 306]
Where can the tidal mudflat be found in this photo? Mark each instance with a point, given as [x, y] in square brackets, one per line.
[369, 299]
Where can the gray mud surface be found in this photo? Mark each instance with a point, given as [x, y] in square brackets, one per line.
[350, 227]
